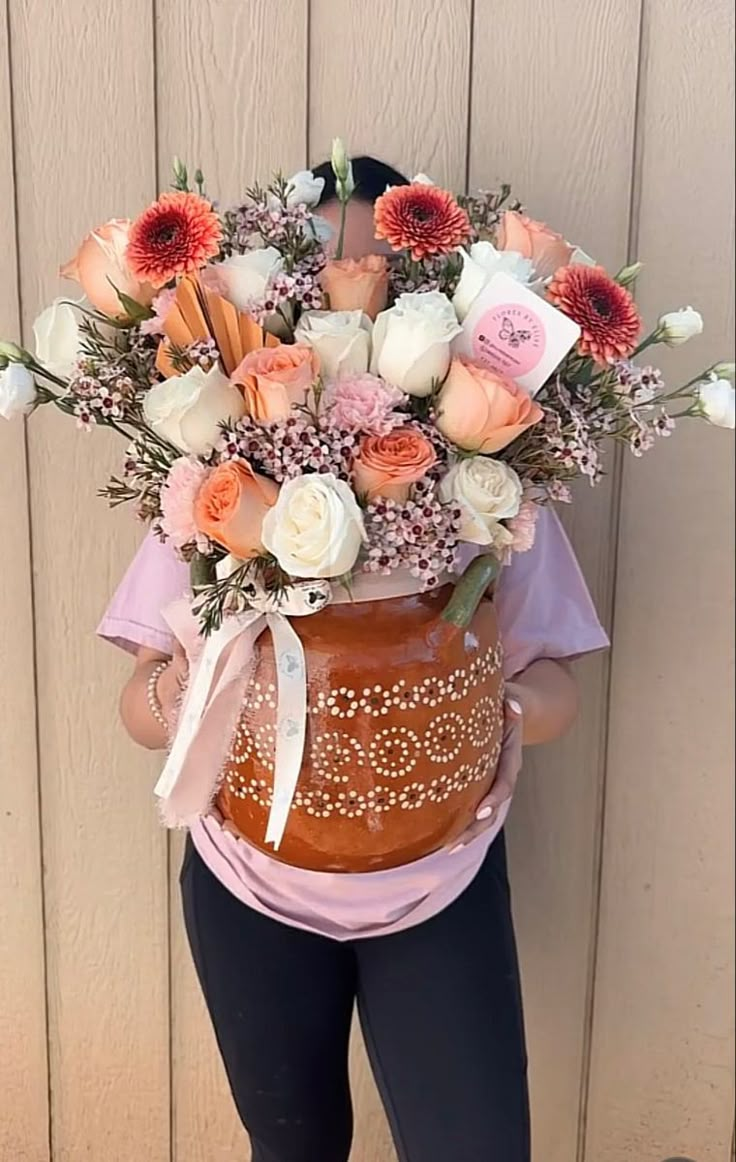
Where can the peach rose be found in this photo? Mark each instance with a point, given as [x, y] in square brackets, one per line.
[388, 465]
[548, 251]
[230, 506]
[357, 284]
[483, 411]
[100, 267]
[273, 379]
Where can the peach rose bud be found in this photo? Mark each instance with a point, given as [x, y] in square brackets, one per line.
[275, 379]
[230, 507]
[548, 251]
[357, 284]
[388, 465]
[483, 411]
[101, 269]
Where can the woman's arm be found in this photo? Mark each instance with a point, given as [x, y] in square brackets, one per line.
[547, 695]
[135, 705]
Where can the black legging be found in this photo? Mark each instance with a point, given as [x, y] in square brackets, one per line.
[440, 1008]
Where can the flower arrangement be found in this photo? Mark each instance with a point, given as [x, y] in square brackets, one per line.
[307, 415]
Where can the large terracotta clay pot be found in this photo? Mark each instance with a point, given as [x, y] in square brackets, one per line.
[404, 732]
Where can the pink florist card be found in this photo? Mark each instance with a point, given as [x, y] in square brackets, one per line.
[512, 330]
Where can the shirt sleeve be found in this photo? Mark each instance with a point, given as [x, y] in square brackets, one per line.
[543, 604]
[155, 578]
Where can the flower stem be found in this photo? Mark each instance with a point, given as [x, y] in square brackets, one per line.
[469, 591]
[341, 236]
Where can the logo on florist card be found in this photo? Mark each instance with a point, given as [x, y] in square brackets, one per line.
[509, 338]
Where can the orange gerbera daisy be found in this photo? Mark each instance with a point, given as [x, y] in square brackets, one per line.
[176, 235]
[602, 308]
[421, 219]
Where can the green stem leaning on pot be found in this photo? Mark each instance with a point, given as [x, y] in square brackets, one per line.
[469, 591]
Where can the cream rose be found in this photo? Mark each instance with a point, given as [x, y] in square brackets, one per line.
[17, 391]
[411, 342]
[303, 188]
[716, 401]
[187, 410]
[57, 335]
[315, 529]
[677, 327]
[479, 266]
[488, 492]
[342, 340]
[244, 278]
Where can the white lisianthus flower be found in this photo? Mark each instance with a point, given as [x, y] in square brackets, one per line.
[488, 491]
[724, 371]
[17, 391]
[342, 340]
[303, 188]
[58, 338]
[315, 529]
[411, 341]
[716, 401]
[677, 327]
[243, 278]
[479, 267]
[187, 410]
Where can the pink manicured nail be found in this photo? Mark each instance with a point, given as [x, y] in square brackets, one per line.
[514, 706]
[455, 850]
[484, 813]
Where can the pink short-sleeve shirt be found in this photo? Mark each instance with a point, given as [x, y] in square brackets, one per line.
[544, 611]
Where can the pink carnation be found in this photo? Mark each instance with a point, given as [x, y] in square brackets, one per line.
[363, 403]
[523, 527]
[186, 477]
[162, 304]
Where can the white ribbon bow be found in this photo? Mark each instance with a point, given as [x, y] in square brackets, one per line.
[224, 665]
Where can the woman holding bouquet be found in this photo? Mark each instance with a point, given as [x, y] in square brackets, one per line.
[426, 950]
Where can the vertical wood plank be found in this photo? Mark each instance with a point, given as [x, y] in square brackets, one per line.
[662, 1064]
[23, 1072]
[84, 132]
[231, 96]
[391, 78]
[553, 106]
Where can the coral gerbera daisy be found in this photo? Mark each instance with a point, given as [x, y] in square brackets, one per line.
[602, 308]
[176, 235]
[422, 219]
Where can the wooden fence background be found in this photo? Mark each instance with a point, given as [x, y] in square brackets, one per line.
[614, 121]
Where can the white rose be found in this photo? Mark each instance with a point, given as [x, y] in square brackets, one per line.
[488, 492]
[315, 529]
[17, 391]
[411, 341]
[679, 326]
[479, 267]
[245, 277]
[716, 399]
[57, 335]
[342, 339]
[304, 189]
[188, 409]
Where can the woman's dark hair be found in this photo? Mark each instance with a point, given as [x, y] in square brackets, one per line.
[371, 178]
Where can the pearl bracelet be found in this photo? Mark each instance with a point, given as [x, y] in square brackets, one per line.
[154, 702]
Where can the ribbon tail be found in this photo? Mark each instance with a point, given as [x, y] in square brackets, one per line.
[291, 723]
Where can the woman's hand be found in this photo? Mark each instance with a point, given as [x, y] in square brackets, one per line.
[135, 708]
[509, 765]
[171, 683]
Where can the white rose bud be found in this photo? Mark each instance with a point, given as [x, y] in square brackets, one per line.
[411, 342]
[724, 371]
[304, 189]
[57, 335]
[479, 267]
[343, 170]
[315, 529]
[716, 402]
[12, 353]
[17, 391]
[677, 327]
[342, 339]
[187, 410]
[488, 492]
[629, 274]
[244, 278]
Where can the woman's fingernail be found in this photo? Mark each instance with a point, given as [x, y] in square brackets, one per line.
[514, 706]
[484, 813]
[457, 848]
